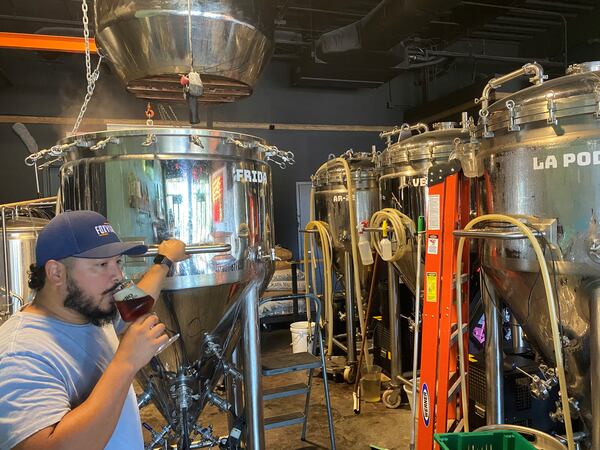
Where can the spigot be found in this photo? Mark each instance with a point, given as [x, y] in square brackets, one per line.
[558, 414]
[145, 397]
[540, 387]
[411, 322]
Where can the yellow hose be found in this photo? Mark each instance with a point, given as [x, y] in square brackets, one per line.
[311, 279]
[399, 222]
[353, 234]
[551, 310]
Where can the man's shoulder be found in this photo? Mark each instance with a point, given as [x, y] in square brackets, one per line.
[19, 334]
[26, 333]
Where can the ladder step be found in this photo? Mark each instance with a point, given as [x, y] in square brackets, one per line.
[454, 389]
[284, 420]
[455, 425]
[454, 336]
[291, 362]
[285, 391]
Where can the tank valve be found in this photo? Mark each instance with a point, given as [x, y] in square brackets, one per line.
[540, 387]
[558, 414]
[145, 397]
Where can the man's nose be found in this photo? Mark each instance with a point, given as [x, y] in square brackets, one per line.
[117, 272]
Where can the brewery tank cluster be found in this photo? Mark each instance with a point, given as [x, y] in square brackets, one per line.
[527, 161]
[446, 267]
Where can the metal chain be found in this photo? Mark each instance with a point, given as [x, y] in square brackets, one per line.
[54, 151]
[58, 151]
[190, 42]
[280, 157]
[90, 76]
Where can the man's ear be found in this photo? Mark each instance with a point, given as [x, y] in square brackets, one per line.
[56, 272]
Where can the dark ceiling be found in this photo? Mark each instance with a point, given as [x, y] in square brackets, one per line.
[299, 23]
[512, 31]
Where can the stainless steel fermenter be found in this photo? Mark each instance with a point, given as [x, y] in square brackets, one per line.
[403, 183]
[539, 153]
[201, 186]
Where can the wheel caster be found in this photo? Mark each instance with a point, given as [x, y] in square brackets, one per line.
[391, 398]
[350, 374]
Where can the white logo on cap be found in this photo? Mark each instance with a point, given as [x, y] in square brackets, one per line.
[104, 230]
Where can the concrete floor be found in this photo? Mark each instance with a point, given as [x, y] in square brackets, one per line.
[375, 425]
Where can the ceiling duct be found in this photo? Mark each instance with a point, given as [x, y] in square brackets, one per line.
[148, 44]
[376, 38]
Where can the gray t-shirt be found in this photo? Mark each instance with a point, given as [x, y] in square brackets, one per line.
[49, 367]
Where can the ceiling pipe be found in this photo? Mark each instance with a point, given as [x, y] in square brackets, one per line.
[376, 38]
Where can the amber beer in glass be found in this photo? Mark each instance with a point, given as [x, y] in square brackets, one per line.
[131, 301]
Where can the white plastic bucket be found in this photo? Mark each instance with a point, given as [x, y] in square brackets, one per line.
[409, 394]
[300, 331]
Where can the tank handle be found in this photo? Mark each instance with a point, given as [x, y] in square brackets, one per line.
[537, 77]
[419, 127]
[194, 249]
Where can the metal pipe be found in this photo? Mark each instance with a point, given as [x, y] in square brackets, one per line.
[415, 388]
[194, 249]
[595, 363]
[50, 200]
[493, 357]
[394, 325]
[255, 435]
[234, 390]
[528, 69]
[7, 289]
[484, 57]
[350, 335]
[537, 78]
[420, 127]
[341, 346]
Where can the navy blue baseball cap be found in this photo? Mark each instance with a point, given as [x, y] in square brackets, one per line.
[82, 234]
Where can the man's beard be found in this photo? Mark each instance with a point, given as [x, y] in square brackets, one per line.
[84, 305]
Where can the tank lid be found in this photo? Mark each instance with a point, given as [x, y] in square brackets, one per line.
[362, 167]
[25, 224]
[588, 66]
[577, 93]
[432, 144]
[164, 140]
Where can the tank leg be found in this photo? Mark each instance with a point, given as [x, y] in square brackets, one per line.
[253, 402]
[595, 363]
[394, 326]
[350, 332]
[493, 355]
[234, 390]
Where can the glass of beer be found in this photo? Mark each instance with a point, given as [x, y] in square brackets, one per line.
[133, 303]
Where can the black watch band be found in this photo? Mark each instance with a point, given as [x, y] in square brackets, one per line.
[162, 259]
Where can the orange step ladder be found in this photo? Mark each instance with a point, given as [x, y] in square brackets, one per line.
[441, 410]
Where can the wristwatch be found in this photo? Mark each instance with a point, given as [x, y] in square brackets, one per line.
[162, 259]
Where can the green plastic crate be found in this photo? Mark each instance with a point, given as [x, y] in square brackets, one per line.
[484, 440]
